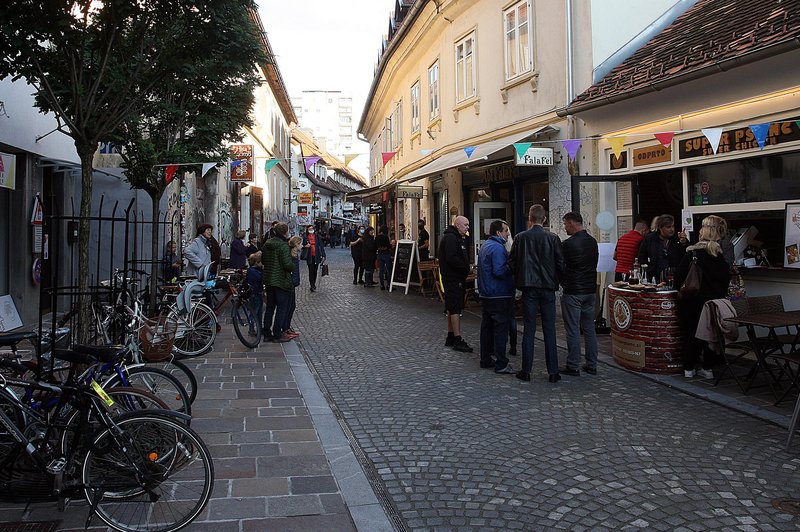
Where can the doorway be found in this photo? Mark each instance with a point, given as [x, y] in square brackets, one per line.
[484, 213]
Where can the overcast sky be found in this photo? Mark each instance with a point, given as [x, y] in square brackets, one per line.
[327, 44]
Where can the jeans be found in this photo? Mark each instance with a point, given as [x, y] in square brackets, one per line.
[385, 272]
[368, 277]
[358, 269]
[535, 300]
[282, 301]
[269, 312]
[578, 313]
[257, 304]
[495, 318]
[290, 312]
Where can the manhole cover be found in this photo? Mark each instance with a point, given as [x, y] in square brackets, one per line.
[789, 506]
[38, 526]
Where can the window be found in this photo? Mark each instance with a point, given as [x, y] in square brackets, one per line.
[387, 135]
[518, 40]
[433, 90]
[465, 68]
[415, 107]
[397, 126]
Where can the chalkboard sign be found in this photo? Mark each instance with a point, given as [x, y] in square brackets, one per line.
[404, 269]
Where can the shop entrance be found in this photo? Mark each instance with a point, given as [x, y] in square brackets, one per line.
[485, 212]
[608, 205]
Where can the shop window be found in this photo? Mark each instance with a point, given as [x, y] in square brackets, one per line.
[533, 193]
[415, 107]
[516, 21]
[752, 180]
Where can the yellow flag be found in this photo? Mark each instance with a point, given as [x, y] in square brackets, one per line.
[616, 145]
[349, 157]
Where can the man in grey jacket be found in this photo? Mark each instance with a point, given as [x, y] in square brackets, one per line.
[537, 260]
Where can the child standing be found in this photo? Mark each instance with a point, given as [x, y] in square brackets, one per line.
[295, 245]
[255, 278]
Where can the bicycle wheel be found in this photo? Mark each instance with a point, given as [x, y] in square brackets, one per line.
[156, 475]
[156, 381]
[177, 369]
[10, 407]
[197, 330]
[245, 323]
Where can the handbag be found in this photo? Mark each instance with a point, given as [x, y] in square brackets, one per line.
[736, 289]
[324, 270]
[304, 254]
[691, 286]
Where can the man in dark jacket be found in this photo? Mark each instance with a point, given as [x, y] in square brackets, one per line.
[662, 249]
[278, 267]
[454, 268]
[537, 260]
[496, 286]
[577, 302]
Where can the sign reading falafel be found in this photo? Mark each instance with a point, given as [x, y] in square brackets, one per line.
[628, 350]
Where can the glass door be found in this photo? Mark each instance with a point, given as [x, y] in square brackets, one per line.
[608, 204]
[485, 212]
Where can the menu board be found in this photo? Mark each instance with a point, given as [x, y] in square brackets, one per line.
[404, 270]
[791, 255]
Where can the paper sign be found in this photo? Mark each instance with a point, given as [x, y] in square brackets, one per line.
[687, 221]
[9, 317]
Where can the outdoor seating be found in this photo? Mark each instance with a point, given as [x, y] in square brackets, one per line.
[425, 278]
[730, 352]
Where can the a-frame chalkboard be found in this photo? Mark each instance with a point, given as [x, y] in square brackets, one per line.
[404, 268]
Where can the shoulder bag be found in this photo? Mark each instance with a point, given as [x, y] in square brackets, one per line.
[691, 286]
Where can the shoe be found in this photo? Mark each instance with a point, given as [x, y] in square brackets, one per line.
[524, 376]
[383, 287]
[571, 372]
[487, 365]
[355, 282]
[313, 288]
[462, 346]
[507, 369]
[219, 327]
[590, 370]
[705, 373]
[555, 377]
[688, 373]
[450, 341]
[292, 332]
[360, 281]
[293, 336]
[284, 338]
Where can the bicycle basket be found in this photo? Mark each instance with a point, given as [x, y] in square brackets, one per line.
[156, 338]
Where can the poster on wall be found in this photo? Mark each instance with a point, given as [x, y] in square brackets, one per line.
[791, 256]
[8, 170]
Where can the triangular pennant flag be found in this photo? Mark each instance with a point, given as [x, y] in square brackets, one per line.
[207, 167]
[617, 144]
[169, 173]
[664, 138]
[798, 123]
[760, 132]
[349, 157]
[311, 161]
[572, 146]
[425, 152]
[522, 147]
[469, 149]
[387, 156]
[2, 168]
[270, 164]
[713, 134]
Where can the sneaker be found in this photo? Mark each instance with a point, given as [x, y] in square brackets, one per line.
[449, 342]
[705, 373]
[361, 281]
[284, 338]
[590, 370]
[507, 369]
[462, 346]
[355, 282]
[688, 373]
[571, 372]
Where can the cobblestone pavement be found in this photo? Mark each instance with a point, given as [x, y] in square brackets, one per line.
[458, 447]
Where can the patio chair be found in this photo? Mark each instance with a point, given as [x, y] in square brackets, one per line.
[730, 352]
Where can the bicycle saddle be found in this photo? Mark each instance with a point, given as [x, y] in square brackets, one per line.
[89, 354]
[12, 339]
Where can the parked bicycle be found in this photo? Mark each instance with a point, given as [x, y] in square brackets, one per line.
[234, 288]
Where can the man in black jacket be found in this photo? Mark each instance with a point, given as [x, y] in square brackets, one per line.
[577, 302]
[537, 260]
[662, 249]
[454, 268]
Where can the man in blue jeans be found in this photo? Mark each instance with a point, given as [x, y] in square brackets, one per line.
[577, 303]
[496, 287]
[537, 260]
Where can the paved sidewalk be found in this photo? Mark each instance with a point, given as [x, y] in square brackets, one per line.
[281, 460]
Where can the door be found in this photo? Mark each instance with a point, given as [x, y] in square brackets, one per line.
[608, 204]
[485, 212]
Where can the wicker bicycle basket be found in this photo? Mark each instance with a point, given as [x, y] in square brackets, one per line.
[156, 337]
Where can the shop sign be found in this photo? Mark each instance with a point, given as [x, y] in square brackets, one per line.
[535, 157]
[348, 206]
[652, 155]
[618, 163]
[406, 191]
[737, 140]
[495, 174]
[8, 170]
[628, 350]
[375, 208]
[241, 162]
[623, 315]
[301, 184]
[306, 198]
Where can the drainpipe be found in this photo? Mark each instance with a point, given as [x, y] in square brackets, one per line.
[570, 66]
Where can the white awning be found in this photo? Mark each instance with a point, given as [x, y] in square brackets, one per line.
[460, 158]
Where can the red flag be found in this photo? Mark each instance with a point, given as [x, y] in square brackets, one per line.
[387, 156]
[664, 138]
[169, 173]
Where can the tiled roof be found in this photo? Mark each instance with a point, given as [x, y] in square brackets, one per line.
[709, 33]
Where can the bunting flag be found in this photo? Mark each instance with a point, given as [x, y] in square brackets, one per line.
[760, 132]
[207, 167]
[311, 161]
[664, 138]
[387, 156]
[522, 147]
[270, 164]
[425, 152]
[572, 146]
[713, 134]
[349, 157]
[617, 144]
[468, 150]
[2, 167]
[169, 173]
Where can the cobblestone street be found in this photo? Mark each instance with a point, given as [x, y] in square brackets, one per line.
[455, 446]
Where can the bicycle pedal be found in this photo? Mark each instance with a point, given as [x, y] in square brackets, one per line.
[57, 465]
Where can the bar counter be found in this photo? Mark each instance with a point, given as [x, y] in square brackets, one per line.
[645, 335]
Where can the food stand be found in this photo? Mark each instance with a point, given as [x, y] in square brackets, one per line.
[645, 335]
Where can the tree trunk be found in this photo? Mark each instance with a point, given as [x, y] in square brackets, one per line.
[155, 197]
[86, 153]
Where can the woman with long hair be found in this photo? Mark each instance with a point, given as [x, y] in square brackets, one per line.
[314, 254]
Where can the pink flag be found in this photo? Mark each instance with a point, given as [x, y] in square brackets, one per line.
[664, 138]
[387, 156]
[311, 161]
[169, 173]
[572, 146]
